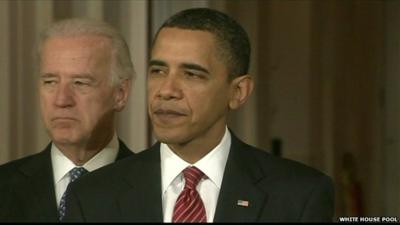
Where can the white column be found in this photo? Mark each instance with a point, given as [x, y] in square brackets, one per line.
[132, 124]
[4, 83]
[163, 9]
[18, 109]
[43, 18]
[248, 114]
[89, 9]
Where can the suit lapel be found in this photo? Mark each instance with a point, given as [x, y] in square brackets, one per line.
[39, 178]
[142, 201]
[240, 200]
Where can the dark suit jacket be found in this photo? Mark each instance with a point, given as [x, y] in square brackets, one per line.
[27, 188]
[276, 189]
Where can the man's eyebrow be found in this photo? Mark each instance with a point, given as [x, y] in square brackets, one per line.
[47, 75]
[83, 76]
[191, 66]
[194, 66]
[155, 62]
[74, 76]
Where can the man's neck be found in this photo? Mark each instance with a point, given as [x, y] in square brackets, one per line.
[193, 150]
[80, 153]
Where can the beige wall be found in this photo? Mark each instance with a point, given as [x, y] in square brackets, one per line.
[318, 71]
[5, 135]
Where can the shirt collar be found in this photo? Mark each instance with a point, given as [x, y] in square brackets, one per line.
[212, 164]
[62, 165]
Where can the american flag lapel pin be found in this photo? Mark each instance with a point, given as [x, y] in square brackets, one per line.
[243, 203]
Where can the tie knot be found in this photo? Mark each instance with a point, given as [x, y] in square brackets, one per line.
[76, 172]
[192, 177]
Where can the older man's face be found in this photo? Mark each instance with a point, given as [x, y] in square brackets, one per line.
[77, 99]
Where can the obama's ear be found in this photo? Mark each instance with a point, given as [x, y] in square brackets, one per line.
[241, 89]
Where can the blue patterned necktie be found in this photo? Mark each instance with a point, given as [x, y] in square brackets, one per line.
[74, 174]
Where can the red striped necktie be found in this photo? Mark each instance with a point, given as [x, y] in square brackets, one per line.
[189, 207]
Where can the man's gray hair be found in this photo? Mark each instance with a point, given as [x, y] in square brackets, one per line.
[121, 64]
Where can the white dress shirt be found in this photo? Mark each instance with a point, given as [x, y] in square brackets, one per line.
[62, 165]
[173, 182]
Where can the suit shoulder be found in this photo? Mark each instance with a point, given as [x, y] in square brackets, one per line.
[12, 166]
[296, 191]
[121, 166]
[107, 173]
[30, 159]
[105, 177]
[282, 167]
[15, 172]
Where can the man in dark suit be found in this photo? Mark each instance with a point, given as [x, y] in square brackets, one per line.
[199, 171]
[85, 73]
